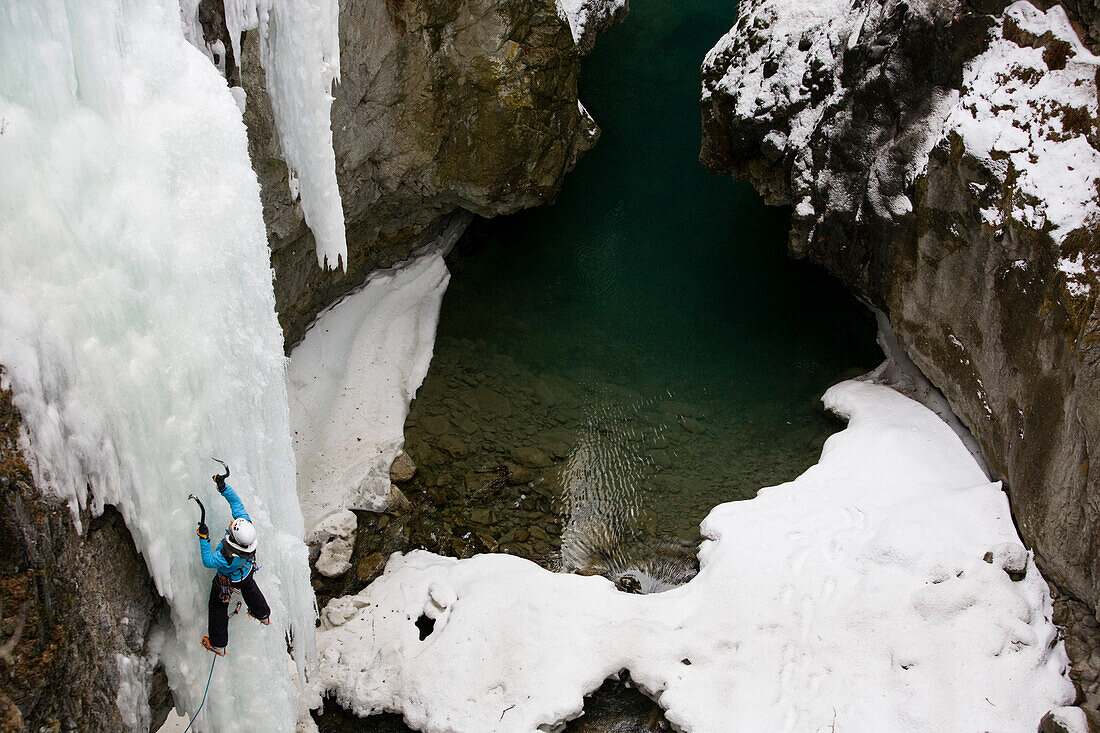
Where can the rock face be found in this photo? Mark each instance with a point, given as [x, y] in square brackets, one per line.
[75, 613]
[445, 108]
[942, 160]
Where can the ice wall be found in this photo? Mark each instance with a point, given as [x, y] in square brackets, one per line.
[137, 323]
[300, 54]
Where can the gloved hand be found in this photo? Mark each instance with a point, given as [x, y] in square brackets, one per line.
[219, 481]
[203, 531]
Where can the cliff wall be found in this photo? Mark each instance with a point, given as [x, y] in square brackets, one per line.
[76, 611]
[943, 160]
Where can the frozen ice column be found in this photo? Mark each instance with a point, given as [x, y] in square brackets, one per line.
[300, 54]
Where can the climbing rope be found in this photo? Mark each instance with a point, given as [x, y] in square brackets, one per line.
[215, 659]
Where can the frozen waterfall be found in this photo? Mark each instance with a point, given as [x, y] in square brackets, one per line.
[300, 54]
[137, 324]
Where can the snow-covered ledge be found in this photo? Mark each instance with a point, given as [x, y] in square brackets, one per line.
[885, 589]
[351, 380]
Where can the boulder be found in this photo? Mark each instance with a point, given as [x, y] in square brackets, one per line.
[403, 469]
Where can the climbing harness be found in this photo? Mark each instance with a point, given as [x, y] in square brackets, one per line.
[203, 695]
[225, 589]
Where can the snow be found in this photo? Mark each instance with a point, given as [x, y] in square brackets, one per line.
[854, 598]
[351, 380]
[1013, 115]
[1026, 118]
[300, 54]
[582, 15]
[137, 325]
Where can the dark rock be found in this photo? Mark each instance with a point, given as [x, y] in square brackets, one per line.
[398, 502]
[370, 567]
[530, 457]
[403, 469]
[452, 446]
[519, 474]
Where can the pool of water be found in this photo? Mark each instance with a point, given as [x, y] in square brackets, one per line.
[643, 349]
[609, 368]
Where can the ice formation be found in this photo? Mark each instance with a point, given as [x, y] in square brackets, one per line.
[300, 54]
[885, 589]
[137, 325]
[351, 380]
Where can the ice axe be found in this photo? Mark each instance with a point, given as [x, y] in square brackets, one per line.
[219, 478]
[203, 530]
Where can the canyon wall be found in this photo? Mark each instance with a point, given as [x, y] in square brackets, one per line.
[943, 160]
[76, 612]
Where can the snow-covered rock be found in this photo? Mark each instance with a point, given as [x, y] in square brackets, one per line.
[943, 160]
[588, 18]
[854, 598]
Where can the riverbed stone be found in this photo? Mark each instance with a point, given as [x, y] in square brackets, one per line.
[530, 456]
[398, 503]
[518, 474]
[403, 469]
[453, 446]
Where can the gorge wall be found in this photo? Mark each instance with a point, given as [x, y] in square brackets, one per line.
[76, 612]
[942, 160]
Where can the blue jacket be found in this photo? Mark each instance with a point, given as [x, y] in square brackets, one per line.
[236, 568]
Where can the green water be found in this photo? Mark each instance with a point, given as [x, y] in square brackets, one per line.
[647, 332]
[609, 368]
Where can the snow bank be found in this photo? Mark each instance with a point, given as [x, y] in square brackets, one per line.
[855, 598]
[137, 323]
[300, 54]
[351, 380]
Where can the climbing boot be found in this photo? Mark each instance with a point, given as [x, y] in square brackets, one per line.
[266, 620]
[219, 650]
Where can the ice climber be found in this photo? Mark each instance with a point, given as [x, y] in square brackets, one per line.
[235, 561]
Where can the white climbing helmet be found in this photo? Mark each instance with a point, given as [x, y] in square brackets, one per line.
[241, 536]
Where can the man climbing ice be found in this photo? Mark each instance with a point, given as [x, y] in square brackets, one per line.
[234, 559]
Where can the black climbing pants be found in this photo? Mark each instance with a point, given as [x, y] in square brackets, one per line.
[220, 595]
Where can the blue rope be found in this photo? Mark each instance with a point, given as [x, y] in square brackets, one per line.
[203, 695]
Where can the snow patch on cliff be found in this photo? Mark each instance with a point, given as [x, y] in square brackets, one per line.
[584, 16]
[351, 380]
[1028, 106]
[885, 589]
